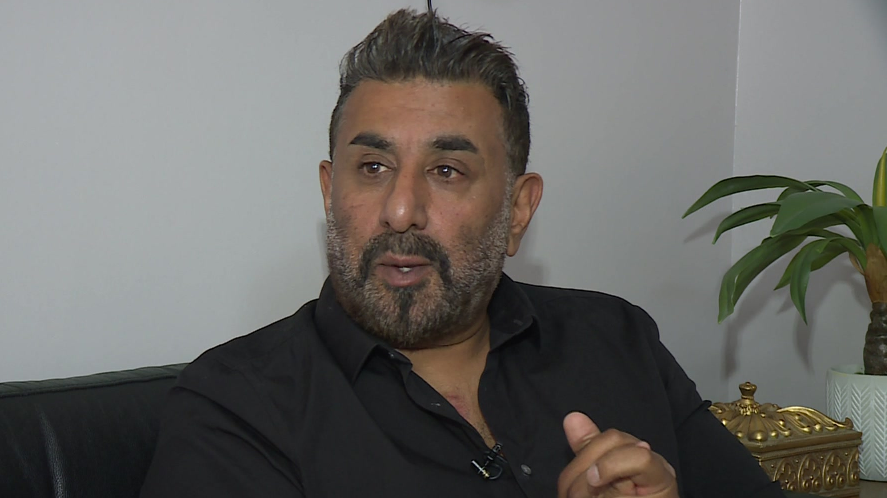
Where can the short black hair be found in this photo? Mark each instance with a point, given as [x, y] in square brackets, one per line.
[409, 45]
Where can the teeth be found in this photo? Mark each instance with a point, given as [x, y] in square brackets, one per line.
[405, 269]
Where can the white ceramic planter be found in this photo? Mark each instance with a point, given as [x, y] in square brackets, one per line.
[863, 398]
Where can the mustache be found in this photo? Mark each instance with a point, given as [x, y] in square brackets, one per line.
[405, 244]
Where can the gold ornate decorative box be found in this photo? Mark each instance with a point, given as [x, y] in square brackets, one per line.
[803, 449]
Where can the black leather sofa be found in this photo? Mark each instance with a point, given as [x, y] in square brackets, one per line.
[83, 437]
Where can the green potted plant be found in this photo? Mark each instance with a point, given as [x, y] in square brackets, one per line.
[810, 211]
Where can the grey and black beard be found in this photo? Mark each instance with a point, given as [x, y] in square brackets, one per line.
[426, 314]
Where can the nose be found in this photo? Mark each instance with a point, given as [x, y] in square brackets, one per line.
[405, 202]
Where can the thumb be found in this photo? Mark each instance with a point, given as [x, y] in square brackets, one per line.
[579, 430]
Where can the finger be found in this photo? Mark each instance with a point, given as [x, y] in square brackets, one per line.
[581, 488]
[596, 484]
[579, 430]
[593, 477]
[573, 480]
[622, 486]
[647, 470]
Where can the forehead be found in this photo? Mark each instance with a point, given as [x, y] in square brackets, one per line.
[416, 111]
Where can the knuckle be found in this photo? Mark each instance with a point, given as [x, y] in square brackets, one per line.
[646, 457]
[612, 435]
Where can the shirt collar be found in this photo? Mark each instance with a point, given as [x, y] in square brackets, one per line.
[510, 310]
[348, 342]
[511, 314]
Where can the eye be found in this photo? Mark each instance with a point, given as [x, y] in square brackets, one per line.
[446, 171]
[373, 168]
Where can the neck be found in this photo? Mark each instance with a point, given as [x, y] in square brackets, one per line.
[455, 359]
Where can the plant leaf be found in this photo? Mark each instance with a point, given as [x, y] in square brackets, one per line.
[816, 232]
[840, 187]
[745, 216]
[867, 226]
[831, 252]
[851, 219]
[818, 224]
[879, 214]
[776, 250]
[879, 191]
[855, 249]
[850, 244]
[835, 247]
[855, 263]
[749, 266]
[790, 191]
[738, 184]
[801, 274]
[799, 209]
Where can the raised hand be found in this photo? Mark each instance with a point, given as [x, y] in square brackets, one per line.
[612, 464]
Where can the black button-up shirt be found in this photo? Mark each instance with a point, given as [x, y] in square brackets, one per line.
[314, 406]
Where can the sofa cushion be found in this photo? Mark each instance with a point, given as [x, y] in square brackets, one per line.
[90, 436]
[83, 437]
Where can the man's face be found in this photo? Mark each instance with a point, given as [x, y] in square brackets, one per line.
[418, 208]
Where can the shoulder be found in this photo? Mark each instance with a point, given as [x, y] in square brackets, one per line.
[269, 340]
[584, 319]
[577, 304]
[275, 346]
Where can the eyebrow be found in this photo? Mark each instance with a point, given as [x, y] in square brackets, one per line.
[446, 143]
[454, 143]
[373, 141]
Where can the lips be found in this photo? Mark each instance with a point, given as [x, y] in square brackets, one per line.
[402, 261]
[403, 271]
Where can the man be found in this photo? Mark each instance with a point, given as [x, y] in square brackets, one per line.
[422, 370]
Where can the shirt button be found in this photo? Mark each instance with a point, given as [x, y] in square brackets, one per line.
[391, 355]
[526, 469]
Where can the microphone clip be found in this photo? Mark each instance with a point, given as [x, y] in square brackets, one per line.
[490, 470]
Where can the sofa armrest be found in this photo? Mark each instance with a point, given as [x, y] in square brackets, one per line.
[81, 436]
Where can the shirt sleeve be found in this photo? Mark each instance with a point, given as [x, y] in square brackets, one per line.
[214, 441]
[712, 461]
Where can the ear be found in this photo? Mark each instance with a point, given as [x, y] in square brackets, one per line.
[326, 183]
[524, 200]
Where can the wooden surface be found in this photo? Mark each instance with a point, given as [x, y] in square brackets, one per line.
[872, 489]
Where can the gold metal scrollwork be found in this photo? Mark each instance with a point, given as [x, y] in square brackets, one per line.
[809, 475]
[786, 475]
[808, 420]
[799, 447]
[853, 468]
[748, 419]
[835, 472]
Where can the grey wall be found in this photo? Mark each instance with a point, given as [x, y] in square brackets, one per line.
[158, 166]
[811, 104]
[633, 116]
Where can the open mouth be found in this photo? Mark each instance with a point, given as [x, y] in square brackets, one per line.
[403, 271]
